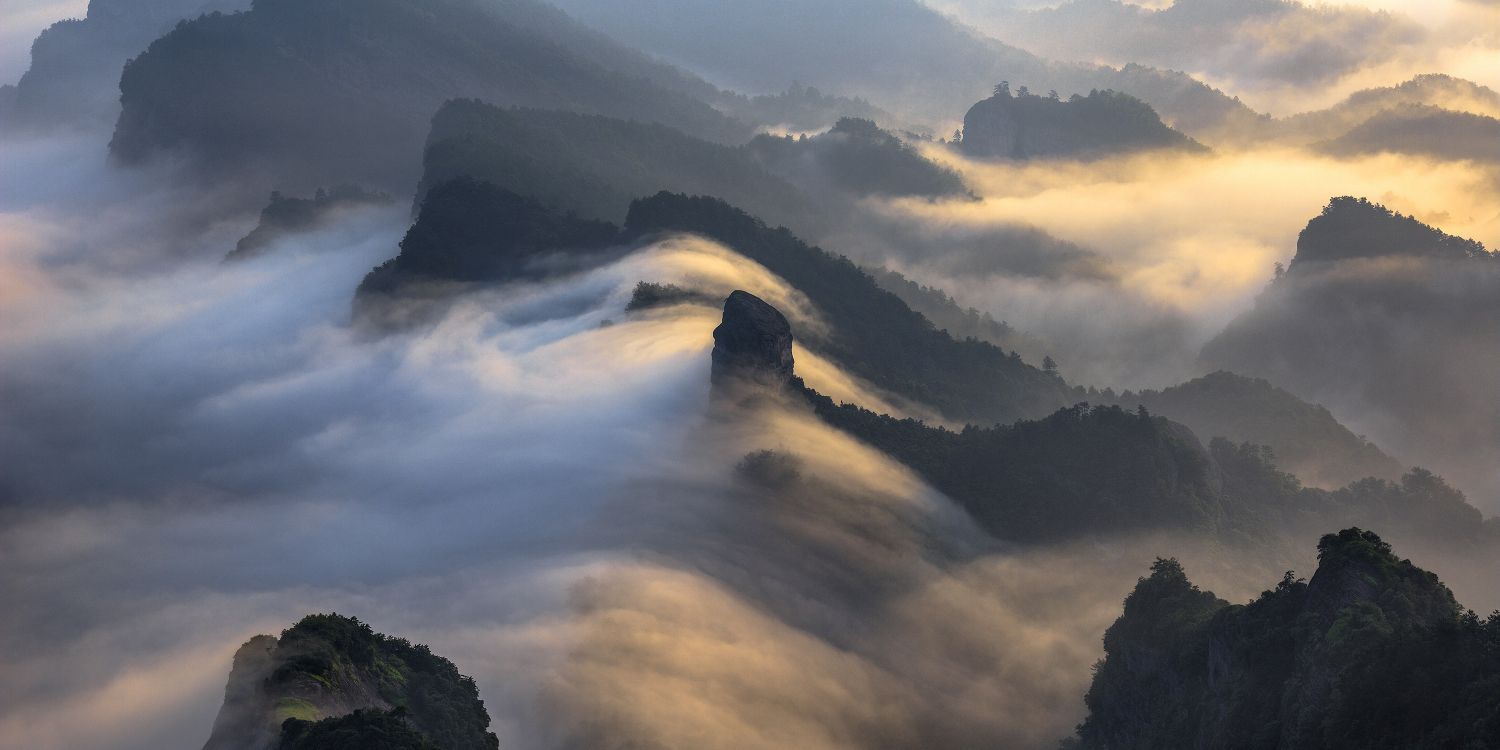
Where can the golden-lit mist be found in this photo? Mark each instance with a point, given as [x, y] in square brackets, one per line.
[1202, 232]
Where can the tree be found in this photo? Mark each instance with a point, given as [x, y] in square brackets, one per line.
[1002, 89]
[1049, 365]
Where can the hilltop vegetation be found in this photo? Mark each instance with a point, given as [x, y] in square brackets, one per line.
[1026, 126]
[330, 680]
[1372, 652]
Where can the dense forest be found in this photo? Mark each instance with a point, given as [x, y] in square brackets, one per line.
[1371, 652]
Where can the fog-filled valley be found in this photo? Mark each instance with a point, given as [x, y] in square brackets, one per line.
[809, 373]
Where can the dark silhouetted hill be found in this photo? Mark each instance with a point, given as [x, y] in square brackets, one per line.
[1025, 126]
[472, 231]
[1424, 131]
[1307, 440]
[283, 216]
[320, 91]
[596, 166]
[1354, 228]
[1431, 90]
[873, 333]
[1372, 652]
[1390, 324]
[857, 157]
[74, 78]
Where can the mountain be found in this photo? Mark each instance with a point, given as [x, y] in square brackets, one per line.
[283, 217]
[1306, 438]
[1388, 322]
[1430, 90]
[73, 81]
[1425, 131]
[471, 231]
[1027, 126]
[857, 157]
[1372, 652]
[1356, 229]
[330, 682]
[595, 166]
[900, 55]
[329, 91]
[1088, 471]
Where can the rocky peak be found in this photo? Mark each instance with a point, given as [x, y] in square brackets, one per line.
[753, 343]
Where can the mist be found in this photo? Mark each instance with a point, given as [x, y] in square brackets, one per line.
[1149, 255]
[1279, 58]
[536, 483]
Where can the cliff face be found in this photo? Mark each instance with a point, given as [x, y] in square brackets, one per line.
[1372, 652]
[753, 343]
[330, 672]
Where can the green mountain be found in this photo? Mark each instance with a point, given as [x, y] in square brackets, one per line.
[1372, 652]
[1026, 126]
[330, 682]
